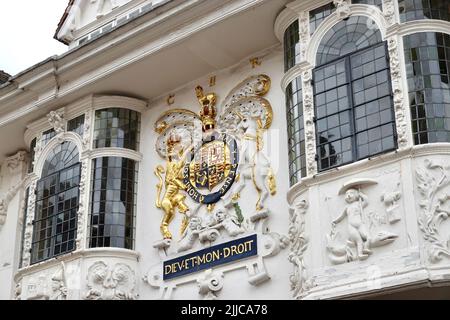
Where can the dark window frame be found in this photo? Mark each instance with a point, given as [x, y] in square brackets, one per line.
[61, 188]
[101, 185]
[351, 108]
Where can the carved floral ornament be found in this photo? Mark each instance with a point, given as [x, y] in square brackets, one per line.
[433, 186]
[230, 143]
[300, 282]
[111, 282]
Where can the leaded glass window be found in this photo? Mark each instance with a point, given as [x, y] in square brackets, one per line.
[116, 127]
[424, 9]
[345, 37]
[57, 200]
[427, 57]
[47, 136]
[352, 94]
[113, 202]
[316, 16]
[296, 132]
[76, 125]
[291, 46]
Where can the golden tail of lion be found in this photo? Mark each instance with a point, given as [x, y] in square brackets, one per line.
[272, 183]
[158, 172]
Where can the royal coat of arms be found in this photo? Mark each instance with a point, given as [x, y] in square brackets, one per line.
[218, 178]
[210, 158]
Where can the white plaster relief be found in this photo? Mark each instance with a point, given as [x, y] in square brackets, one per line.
[390, 200]
[59, 289]
[360, 238]
[300, 282]
[389, 11]
[56, 120]
[304, 34]
[29, 225]
[342, 8]
[400, 107]
[13, 164]
[111, 282]
[432, 185]
[210, 283]
[308, 112]
[82, 205]
[87, 131]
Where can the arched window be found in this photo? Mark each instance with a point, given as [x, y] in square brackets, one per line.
[57, 199]
[352, 93]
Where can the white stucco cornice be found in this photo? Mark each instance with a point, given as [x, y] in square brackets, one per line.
[76, 70]
[283, 21]
[427, 25]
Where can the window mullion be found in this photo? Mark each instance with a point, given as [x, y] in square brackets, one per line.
[348, 73]
[55, 215]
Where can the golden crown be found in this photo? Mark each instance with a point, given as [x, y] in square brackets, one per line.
[208, 112]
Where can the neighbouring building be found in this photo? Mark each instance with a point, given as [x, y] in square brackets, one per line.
[231, 149]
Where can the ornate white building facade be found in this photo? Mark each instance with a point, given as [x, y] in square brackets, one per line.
[239, 149]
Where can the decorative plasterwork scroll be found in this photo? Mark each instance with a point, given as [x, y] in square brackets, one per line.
[300, 282]
[400, 106]
[87, 130]
[26, 258]
[82, 206]
[389, 11]
[308, 112]
[106, 282]
[209, 284]
[432, 184]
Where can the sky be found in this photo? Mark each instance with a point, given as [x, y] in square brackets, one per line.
[26, 32]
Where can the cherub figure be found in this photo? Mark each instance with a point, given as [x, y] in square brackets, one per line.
[358, 234]
[191, 234]
[222, 219]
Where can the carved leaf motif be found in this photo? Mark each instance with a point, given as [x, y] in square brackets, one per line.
[432, 213]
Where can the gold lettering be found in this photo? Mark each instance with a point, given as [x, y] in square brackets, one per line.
[201, 259]
[168, 269]
[248, 245]
[226, 252]
[216, 255]
[241, 248]
[233, 250]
